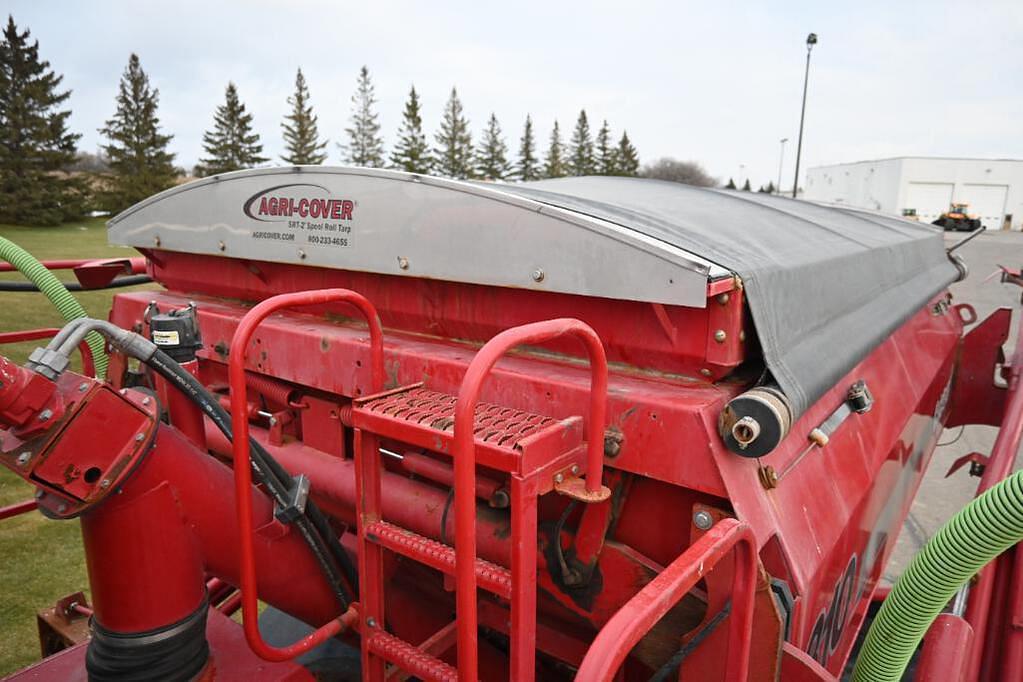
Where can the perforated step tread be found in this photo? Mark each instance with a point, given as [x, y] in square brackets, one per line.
[410, 659]
[491, 577]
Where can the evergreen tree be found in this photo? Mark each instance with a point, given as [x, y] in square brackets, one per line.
[581, 161]
[731, 184]
[301, 136]
[628, 160]
[528, 167]
[771, 189]
[365, 146]
[492, 156]
[231, 145]
[453, 154]
[34, 139]
[412, 154]
[605, 154]
[746, 187]
[554, 164]
[137, 155]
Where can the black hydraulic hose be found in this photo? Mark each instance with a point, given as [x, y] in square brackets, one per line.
[128, 281]
[313, 525]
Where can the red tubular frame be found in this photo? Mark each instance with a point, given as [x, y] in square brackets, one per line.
[617, 638]
[999, 465]
[17, 509]
[465, 456]
[242, 461]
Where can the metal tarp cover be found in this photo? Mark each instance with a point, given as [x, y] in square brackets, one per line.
[825, 284]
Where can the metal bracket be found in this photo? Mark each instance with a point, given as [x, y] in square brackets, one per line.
[298, 495]
[977, 462]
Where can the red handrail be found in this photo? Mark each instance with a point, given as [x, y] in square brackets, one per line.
[465, 456]
[17, 509]
[634, 620]
[241, 454]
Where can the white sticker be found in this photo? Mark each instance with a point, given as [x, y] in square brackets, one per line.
[165, 338]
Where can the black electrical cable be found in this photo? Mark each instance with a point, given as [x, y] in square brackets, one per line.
[272, 474]
[128, 281]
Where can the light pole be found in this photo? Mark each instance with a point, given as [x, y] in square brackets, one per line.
[781, 160]
[811, 40]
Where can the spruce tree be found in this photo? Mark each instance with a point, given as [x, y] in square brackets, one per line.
[746, 187]
[301, 135]
[137, 155]
[605, 154]
[554, 164]
[628, 160]
[731, 184]
[528, 167]
[454, 152]
[34, 139]
[365, 146]
[492, 156]
[231, 145]
[771, 189]
[581, 161]
[412, 153]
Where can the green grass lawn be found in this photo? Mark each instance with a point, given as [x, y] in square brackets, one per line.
[41, 560]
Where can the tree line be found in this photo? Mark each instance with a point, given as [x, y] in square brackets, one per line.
[44, 180]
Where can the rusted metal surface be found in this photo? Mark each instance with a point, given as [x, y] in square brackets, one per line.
[64, 624]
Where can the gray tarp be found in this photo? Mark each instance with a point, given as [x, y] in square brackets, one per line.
[825, 284]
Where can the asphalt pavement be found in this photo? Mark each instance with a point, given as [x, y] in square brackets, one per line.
[939, 497]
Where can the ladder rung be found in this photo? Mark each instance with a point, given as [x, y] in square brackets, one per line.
[491, 577]
[409, 658]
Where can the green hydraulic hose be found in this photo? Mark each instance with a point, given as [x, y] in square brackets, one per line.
[47, 283]
[979, 532]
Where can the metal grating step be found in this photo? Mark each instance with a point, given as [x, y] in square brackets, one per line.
[409, 658]
[491, 577]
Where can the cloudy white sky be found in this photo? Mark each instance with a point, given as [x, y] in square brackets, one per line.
[715, 82]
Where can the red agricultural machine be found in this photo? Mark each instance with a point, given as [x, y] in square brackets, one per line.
[589, 428]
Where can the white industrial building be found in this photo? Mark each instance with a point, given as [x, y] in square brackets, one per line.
[992, 187]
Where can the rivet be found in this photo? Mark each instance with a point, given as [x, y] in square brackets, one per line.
[83, 387]
[575, 469]
[720, 336]
[301, 254]
[723, 298]
[705, 372]
[558, 478]
[105, 483]
[742, 335]
[221, 246]
[139, 437]
[538, 275]
[145, 401]
[703, 520]
[23, 458]
[371, 622]
[45, 415]
[403, 262]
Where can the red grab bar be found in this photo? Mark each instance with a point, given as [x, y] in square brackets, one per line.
[465, 456]
[243, 464]
[632, 622]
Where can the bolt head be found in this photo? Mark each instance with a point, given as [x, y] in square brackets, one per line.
[558, 478]
[23, 458]
[45, 415]
[705, 372]
[39, 494]
[139, 437]
[371, 622]
[575, 469]
[83, 387]
[403, 262]
[301, 254]
[145, 401]
[720, 336]
[61, 508]
[105, 483]
[703, 520]
[221, 245]
[538, 275]
[723, 298]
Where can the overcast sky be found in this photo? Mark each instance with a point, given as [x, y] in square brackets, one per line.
[714, 82]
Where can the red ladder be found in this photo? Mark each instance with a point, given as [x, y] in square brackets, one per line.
[540, 454]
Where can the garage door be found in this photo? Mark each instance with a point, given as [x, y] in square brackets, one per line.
[987, 202]
[929, 199]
